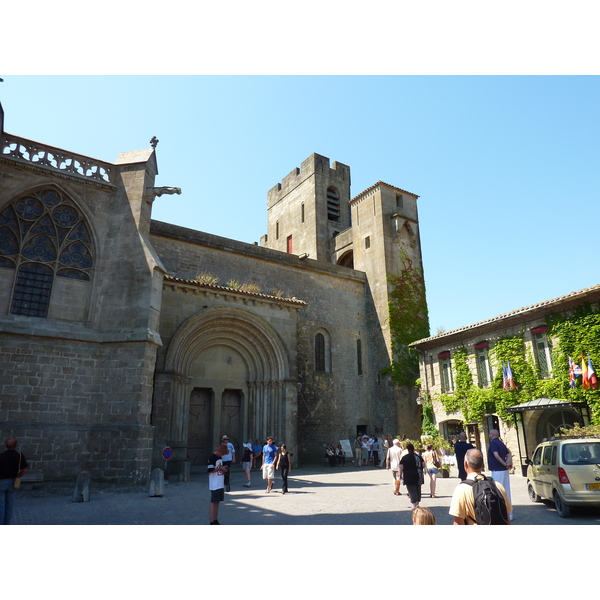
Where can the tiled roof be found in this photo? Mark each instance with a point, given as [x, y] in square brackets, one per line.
[378, 184]
[520, 311]
[222, 288]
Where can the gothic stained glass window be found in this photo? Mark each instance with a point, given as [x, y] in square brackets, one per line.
[43, 235]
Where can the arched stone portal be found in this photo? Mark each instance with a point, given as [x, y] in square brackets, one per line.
[236, 358]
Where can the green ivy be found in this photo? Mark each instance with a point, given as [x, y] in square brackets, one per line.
[408, 320]
[428, 423]
[577, 334]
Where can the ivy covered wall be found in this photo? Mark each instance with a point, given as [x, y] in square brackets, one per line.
[574, 335]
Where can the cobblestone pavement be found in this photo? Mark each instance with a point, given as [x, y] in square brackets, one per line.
[317, 496]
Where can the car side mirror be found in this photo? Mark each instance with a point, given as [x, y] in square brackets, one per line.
[528, 462]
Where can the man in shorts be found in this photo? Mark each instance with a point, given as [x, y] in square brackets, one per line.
[216, 482]
[393, 457]
[268, 468]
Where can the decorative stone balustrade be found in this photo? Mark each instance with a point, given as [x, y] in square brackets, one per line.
[37, 154]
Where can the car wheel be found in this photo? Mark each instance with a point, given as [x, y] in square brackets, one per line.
[532, 495]
[562, 509]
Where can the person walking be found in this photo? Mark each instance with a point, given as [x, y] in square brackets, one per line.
[256, 455]
[393, 462]
[412, 469]
[385, 446]
[216, 482]
[268, 469]
[228, 459]
[12, 466]
[366, 450]
[375, 446]
[283, 461]
[462, 505]
[499, 462]
[432, 464]
[247, 463]
[358, 450]
[460, 449]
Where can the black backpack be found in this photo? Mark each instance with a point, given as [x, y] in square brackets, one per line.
[490, 508]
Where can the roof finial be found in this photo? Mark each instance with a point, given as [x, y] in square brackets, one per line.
[154, 141]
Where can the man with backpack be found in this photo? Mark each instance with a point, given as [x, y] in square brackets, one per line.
[479, 500]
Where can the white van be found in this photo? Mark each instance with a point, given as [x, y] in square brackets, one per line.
[566, 471]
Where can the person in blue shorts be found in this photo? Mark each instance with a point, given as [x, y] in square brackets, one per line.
[268, 467]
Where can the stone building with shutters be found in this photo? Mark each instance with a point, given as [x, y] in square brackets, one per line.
[535, 420]
[120, 335]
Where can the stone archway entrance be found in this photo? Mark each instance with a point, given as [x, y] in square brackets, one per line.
[230, 375]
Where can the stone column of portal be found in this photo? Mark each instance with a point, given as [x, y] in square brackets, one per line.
[244, 408]
[180, 407]
[251, 403]
[276, 398]
[216, 424]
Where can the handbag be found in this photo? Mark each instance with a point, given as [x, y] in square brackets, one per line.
[17, 482]
[436, 463]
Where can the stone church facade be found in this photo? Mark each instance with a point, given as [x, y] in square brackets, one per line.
[121, 335]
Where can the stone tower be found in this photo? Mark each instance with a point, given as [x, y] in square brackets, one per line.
[309, 208]
[385, 228]
[311, 214]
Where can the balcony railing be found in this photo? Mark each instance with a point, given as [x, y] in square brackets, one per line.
[35, 153]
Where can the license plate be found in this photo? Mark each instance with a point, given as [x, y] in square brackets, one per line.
[592, 486]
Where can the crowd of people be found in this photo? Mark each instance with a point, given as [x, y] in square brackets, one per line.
[408, 466]
[267, 457]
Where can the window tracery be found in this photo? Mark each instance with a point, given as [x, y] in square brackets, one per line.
[43, 235]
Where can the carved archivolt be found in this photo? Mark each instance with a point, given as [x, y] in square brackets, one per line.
[252, 337]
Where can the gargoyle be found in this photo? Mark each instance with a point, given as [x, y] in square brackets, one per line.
[159, 191]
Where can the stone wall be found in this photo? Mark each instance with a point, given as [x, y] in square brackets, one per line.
[332, 404]
[76, 386]
[77, 405]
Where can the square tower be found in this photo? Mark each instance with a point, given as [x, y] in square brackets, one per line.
[309, 208]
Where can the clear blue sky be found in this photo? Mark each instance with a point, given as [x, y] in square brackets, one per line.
[507, 168]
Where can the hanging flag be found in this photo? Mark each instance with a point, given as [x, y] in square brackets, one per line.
[507, 377]
[574, 372]
[584, 374]
[592, 374]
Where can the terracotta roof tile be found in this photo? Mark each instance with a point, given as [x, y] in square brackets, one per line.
[195, 282]
[524, 310]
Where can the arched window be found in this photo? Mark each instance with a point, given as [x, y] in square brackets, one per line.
[320, 353]
[333, 204]
[42, 236]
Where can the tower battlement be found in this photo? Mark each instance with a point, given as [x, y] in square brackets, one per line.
[314, 164]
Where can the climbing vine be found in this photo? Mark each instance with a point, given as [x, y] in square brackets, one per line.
[408, 320]
[577, 335]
